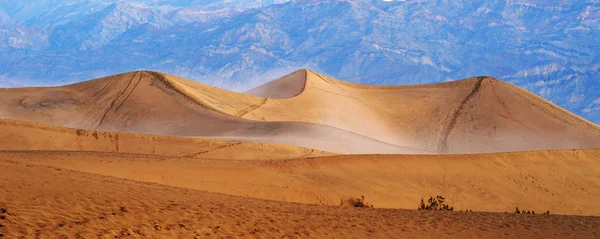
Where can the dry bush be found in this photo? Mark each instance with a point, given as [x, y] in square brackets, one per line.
[435, 203]
[356, 202]
[517, 211]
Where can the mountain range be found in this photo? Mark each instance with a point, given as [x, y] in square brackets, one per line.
[547, 47]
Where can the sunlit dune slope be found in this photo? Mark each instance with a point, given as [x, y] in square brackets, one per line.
[564, 181]
[474, 115]
[26, 136]
[307, 109]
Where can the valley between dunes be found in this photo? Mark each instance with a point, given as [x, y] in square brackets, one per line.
[146, 154]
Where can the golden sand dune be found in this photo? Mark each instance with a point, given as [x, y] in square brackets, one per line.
[307, 109]
[565, 182]
[476, 115]
[26, 136]
[153, 103]
[46, 202]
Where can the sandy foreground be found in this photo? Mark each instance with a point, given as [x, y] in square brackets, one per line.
[564, 182]
[49, 202]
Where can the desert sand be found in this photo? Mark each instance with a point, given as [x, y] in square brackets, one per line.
[150, 155]
[47, 202]
[563, 182]
[20, 135]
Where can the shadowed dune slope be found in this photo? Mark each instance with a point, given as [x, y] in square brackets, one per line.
[307, 109]
[26, 136]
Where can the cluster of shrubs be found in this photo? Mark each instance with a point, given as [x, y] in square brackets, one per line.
[435, 203]
[517, 211]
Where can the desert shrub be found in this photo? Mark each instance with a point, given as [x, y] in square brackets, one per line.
[547, 212]
[356, 202]
[517, 211]
[435, 203]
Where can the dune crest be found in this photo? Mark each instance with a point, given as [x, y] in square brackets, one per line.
[285, 87]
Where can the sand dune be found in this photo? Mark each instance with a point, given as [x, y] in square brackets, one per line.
[148, 102]
[26, 136]
[564, 182]
[476, 115]
[310, 110]
[146, 154]
[49, 203]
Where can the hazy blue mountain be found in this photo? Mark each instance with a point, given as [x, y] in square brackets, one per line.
[547, 46]
[48, 13]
